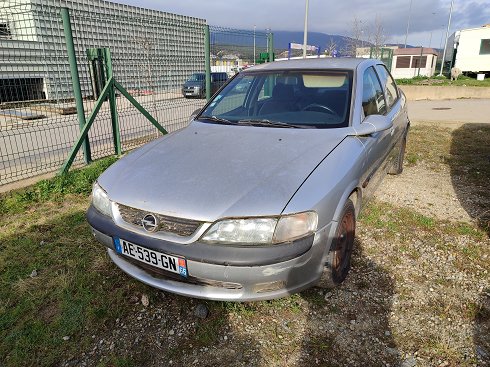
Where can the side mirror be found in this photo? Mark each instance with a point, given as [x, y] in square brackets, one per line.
[373, 124]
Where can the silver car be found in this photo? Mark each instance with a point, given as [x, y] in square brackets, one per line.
[257, 197]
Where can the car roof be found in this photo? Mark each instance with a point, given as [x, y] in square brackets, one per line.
[347, 63]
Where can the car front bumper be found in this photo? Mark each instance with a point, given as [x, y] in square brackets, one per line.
[191, 92]
[226, 280]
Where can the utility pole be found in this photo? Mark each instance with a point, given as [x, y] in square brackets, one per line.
[408, 23]
[430, 39]
[305, 33]
[447, 35]
[255, 58]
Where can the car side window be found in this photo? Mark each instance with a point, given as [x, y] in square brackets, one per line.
[389, 86]
[373, 100]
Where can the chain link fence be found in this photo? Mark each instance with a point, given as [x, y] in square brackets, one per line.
[153, 54]
[233, 50]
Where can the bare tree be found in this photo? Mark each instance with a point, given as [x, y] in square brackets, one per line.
[330, 47]
[356, 37]
[366, 34]
[377, 37]
[148, 46]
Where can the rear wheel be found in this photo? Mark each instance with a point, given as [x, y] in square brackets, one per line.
[337, 268]
[397, 167]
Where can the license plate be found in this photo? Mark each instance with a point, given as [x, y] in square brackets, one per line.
[160, 260]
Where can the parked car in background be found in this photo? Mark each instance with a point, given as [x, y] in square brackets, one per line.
[195, 86]
[258, 197]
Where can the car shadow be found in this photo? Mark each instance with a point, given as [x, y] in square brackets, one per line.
[470, 171]
[481, 329]
[349, 324]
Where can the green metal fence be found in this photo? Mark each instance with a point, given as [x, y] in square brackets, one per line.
[383, 54]
[152, 53]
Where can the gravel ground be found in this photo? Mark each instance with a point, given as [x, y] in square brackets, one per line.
[417, 295]
[432, 195]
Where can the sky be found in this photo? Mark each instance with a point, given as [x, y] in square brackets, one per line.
[428, 18]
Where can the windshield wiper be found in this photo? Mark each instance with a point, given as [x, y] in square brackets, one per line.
[217, 119]
[265, 122]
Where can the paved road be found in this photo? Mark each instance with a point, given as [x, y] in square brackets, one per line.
[38, 147]
[455, 111]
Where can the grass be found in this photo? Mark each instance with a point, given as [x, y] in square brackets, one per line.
[464, 152]
[432, 149]
[395, 220]
[444, 81]
[77, 182]
[41, 231]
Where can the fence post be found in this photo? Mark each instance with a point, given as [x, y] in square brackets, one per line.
[207, 61]
[420, 58]
[271, 47]
[70, 47]
[112, 103]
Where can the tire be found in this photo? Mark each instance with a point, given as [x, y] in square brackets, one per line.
[338, 265]
[397, 167]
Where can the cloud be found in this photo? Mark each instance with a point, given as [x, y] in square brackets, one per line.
[333, 17]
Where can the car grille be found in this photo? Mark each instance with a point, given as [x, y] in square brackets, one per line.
[179, 226]
[162, 274]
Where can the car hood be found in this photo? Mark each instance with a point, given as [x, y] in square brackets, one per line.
[210, 171]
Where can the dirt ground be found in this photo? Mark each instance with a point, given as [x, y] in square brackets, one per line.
[427, 190]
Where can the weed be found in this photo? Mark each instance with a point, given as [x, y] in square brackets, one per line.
[246, 309]
[411, 159]
[444, 81]
[208, 330]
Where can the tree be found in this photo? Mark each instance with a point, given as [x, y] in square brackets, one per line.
[377, 37]
[356, 36]
[330, 47]
[365, 34]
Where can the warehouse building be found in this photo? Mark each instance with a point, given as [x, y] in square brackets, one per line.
[152, 51]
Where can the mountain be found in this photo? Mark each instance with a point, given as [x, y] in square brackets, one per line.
[231, 45]
[282, 39]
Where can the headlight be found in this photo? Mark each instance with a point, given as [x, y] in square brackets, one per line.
[100, 200]
[262, 231]
[291, 227]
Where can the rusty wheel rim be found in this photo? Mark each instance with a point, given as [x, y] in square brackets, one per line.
[345, 242]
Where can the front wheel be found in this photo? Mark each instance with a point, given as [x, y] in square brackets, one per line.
[337, 267]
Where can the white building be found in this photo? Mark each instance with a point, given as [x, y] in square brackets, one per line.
[416, 61]
[469, 50]
[151, 50]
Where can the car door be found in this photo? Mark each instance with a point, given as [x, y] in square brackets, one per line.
[394, 105]
[377, 145]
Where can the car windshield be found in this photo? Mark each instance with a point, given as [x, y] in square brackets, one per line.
[196, 77]
[289, 98]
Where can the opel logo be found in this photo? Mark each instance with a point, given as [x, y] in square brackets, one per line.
[149, 223]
